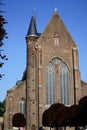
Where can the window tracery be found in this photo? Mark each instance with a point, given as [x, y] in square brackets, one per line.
[62, 76]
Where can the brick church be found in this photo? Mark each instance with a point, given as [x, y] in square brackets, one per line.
[52, 74]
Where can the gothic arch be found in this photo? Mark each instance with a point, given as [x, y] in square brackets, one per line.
[57, 69]
[50, 84]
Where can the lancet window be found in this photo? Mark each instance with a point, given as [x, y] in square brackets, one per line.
[57, 77]
[22, 106]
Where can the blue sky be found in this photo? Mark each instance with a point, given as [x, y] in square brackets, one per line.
[18, 14]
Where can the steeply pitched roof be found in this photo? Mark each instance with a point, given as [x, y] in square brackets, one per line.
[32, 31]
[56, 27]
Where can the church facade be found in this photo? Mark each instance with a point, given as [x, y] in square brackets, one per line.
[52, 75]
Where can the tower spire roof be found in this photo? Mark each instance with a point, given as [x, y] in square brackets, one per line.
[32, 31]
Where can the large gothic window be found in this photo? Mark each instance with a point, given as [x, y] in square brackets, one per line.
[50, 84]
[57, 76]
[64, 85]
[22, 106]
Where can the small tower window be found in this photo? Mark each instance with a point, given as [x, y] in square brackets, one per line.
[56, 40]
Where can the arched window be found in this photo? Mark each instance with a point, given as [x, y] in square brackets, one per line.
[64, 85]
[22, 106]
[50, 84]
[57, 76]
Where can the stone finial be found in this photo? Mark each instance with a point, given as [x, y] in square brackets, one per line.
[55, 10]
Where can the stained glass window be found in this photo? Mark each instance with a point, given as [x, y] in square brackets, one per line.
[50, 84]
[64, 85]
[59, 77]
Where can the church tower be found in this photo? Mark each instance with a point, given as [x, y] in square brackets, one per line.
[32, 77]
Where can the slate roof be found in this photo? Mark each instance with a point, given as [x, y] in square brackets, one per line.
[32, 31]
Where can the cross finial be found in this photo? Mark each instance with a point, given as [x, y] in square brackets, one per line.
[55, 9]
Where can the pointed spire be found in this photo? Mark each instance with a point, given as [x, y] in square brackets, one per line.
[34, 14]
[32, 31]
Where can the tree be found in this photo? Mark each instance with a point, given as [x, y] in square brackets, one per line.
[18, 120]
[59, 115]
[3, 35]
[2, 108]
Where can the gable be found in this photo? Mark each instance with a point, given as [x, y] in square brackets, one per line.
[15, 91]
[56, 32]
